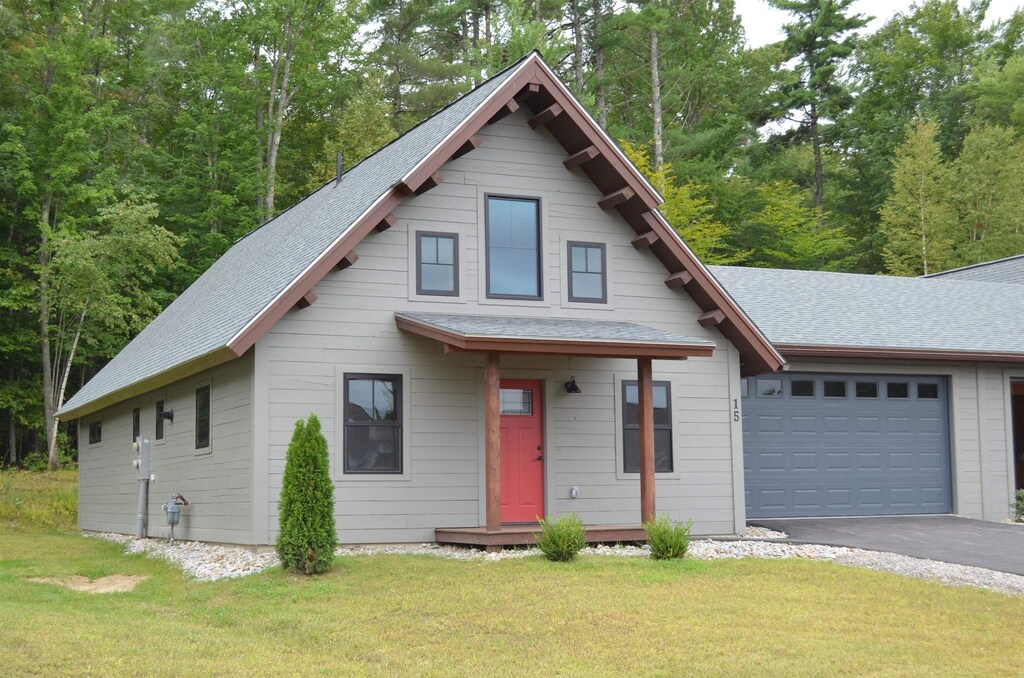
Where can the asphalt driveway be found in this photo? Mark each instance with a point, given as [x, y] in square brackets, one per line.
[950, 539]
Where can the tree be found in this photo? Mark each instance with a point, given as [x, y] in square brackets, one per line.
[918, 219]
[306, 535]
[816, 40]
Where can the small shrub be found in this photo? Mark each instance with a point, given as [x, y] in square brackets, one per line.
[307, 538]
[35, 461]
[668, 539]
[560, 539]
[1018, 507]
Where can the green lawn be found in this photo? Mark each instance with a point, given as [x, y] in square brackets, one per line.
[402, 615]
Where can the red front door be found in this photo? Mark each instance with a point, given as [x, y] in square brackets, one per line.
[522, 452]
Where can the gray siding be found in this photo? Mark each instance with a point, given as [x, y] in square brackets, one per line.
[980, 436]
[352, 328]
[216, 481]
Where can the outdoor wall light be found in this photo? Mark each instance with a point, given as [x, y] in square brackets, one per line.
[571, 386]
[168, 415]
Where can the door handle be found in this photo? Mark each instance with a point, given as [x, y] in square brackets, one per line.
[540, 457]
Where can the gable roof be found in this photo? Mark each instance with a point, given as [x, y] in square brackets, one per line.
[266, 273]
[813, 313]
[1008, 270]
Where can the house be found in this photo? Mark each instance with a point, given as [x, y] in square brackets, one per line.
[1009, 270]
[493, 323]
[901, 396]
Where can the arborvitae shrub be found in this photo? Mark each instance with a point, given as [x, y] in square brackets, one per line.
[668, 540]
[560, 539]
[307, 538]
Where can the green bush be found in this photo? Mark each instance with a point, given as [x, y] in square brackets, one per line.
[560, 539]
[668, 539]
[35, 461]
[307, 537]
[1018, 507]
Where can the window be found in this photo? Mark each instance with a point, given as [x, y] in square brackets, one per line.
[437, 264]
[867, 389]
[744, 387]
[202, 417]
[897, 389]
[159, 420]
[801, 388]
[95, 432]
[513, 248]
[835, 389]
[136, 423]
[373, 423]
[631, 427]
[928, 391]
[769, 388]
[587, 280]
[516, 401]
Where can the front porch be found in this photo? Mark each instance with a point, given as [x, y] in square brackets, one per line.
[524, 535]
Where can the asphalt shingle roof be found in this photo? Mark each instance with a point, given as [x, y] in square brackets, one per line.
[552, 329]
[261, 265]
[1009, 270]
[869, 311]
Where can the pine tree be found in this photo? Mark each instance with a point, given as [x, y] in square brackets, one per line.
[306, 537]
[918, 219]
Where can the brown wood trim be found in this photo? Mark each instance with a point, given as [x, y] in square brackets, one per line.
[492, 444]
[506, 109]
[471, 144]
[459, 343]
[616, 198]
[528, 91]
[580, 157]
[712, 318]
[545, 116]
[307, 300]
[428, 183]
[679, 279]
[524, 535]
[386, 223]
[348, 260]
[645, 405]
[881, 353]
[645, 240]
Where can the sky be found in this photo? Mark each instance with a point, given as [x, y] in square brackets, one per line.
[763, 24]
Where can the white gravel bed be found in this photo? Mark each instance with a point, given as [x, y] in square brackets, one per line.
[209, 562]
[755, 532]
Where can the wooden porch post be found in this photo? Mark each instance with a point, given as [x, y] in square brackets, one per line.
[645, 389]
[492, 419]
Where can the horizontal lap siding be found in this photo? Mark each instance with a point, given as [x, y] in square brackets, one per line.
[352, 325]
[217, 484]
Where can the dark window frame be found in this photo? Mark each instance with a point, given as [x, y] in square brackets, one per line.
[825, 393]
[604, 271]
[136, 423]
[811, 381]
[858, 384]
[487, 248]
[781, 392]
[657, 427]
[928, 384]
[158, 432]
[202, 444]
[454, 237]
[96, 426]
[888, 390]
[398, 423]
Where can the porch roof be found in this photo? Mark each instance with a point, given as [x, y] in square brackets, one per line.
[560, 336]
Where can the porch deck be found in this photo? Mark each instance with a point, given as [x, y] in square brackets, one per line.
[523, 535]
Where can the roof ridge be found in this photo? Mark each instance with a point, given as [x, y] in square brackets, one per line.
[981, 264]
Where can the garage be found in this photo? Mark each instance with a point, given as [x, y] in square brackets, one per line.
[846, 445]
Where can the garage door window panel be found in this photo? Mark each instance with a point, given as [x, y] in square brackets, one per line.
[769, 388]
[834, 389]
[927, 391]
[897, 390]
[801, 388]
[867, 389]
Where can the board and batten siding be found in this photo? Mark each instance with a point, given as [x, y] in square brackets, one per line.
[217, 481]
[980, 433]
[351, 328]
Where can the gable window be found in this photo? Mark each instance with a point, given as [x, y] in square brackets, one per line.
[202, 417]
[159, 429]
[513, 248]
[373, 423]
[136, 423]
[587, 280]
[95, 432]
[631, 427]
[437, 264]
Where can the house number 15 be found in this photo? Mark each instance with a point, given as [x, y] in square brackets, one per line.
[735, 409]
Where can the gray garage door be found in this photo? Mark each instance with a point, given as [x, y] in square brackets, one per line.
[845, 445]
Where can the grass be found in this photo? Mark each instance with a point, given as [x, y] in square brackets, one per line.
[402, 615]
[39, 500]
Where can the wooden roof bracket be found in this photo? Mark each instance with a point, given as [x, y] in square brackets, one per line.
[645, 240]
[347, 260]
[528, 91]
[507, 109]
[546, 116]
[712, 318]
[307, 300]
[471, 144]
[580, 157]
[616, 198]
[679, 279]
[385, 223]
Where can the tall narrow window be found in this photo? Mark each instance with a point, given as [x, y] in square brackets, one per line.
[631, 427]
[513, 248]
[373, 423]
[587, 279]
[437, 264]
[136, 423]
[95, 432]
[202, 417]
[159, 430]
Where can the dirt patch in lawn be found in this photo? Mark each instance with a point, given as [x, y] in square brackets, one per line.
[115, 583]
